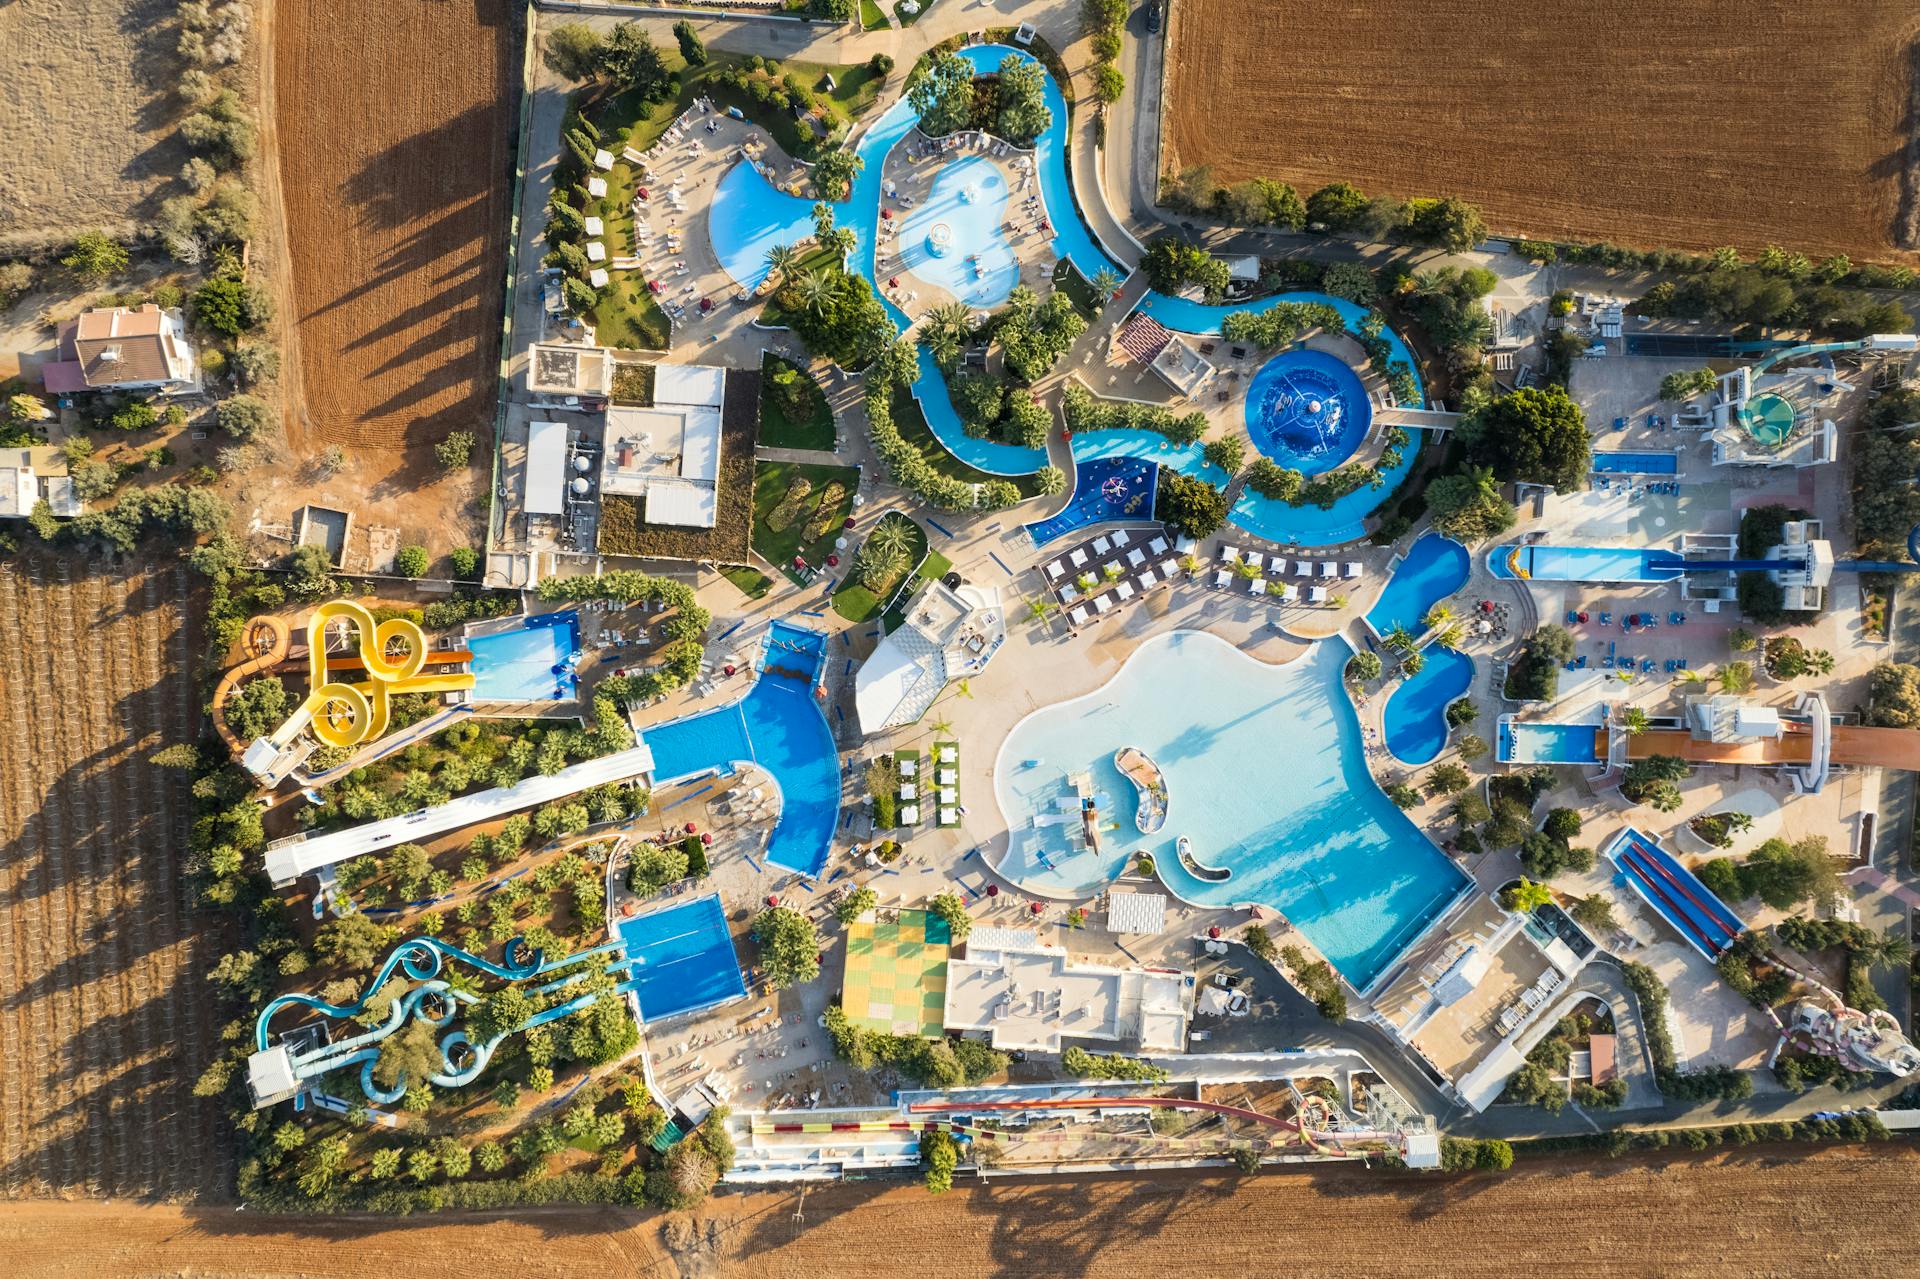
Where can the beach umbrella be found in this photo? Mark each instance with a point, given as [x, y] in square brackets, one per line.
[729, 668]
[706, 841]
[691, 828]
[1214, 932]
[1035, 907]
[799, 561]
[886, 215]
[993, 890]
[847, 523]
[706, 304]
[833, 561]
[653, 286]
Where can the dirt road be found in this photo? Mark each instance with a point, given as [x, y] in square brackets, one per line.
[1755, 1212]
[1743, 122]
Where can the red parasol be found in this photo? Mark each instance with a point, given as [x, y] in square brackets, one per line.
[833, 561]
[772, 900]
[706, 841]
[706, 304]
[730, 668]
[886, 215]
[993, 890]
[1214, 932]
[893, 281]
[691, 828]
[642, 193]
[1035, 907]
[847, 523]
[653, 286]
[799, 561]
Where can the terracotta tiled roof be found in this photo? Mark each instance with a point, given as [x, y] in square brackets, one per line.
[1143, 338]
[115, 346]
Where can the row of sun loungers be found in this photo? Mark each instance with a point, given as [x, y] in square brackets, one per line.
[1351, 570]
[1534, 996]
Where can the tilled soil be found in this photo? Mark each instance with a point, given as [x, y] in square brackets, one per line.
[105, 1014]
[1744, 122]
[1755, 1212]
[395, 132]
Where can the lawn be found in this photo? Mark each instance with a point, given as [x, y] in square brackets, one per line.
[908, 19]
[771, 481]
[812, 429]
[855, 89]
[855, 602]
[751, 582]
[1067, 278]
[912, 424]
[812, 259]
[873, 17]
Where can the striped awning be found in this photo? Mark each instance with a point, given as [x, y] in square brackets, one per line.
[1143, 338]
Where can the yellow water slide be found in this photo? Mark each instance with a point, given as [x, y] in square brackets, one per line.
[392, 652]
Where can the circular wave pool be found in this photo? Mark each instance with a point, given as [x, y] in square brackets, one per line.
[1307, 410]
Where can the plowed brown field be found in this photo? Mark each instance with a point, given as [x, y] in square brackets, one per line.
[105, 1014]
[1644, 122]
[1756, 1213]
[395, 123]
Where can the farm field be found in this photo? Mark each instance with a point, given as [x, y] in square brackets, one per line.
[1742, 122]
[105, 1014]
[1760, 1212]
[395, 131]
[87, 109]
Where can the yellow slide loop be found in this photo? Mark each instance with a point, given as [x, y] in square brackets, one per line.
[392, 652]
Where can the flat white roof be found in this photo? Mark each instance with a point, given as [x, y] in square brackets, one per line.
[683, 503]
[287, 860]
[546, 468]
[1136, 912]
[692, 385]
[18, 491]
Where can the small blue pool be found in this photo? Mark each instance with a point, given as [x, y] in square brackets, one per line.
[796, 650]
[686, 958]
[1433, 568]
[778, 726]
[1104, 489]
[1307, 410]
[531, 663]
[1547, 743]
[1584, 563]
[1622, 463]
[953, 238]
[747, 218]
[1415, 717]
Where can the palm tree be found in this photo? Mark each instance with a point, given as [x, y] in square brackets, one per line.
[1191, 564]
[1439, 615]
[1737, 677]
[1690, 677]
[782, 258]
[1039, 609]
[1526, 897]
[1106, 282]
[1451, 637]
[942, 727]
[817, 291]
[1399, 639]
[891, 534]
[1633, 720]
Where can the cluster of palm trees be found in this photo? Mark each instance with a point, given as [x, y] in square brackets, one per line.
[1448, 633]
[886, 554]
[945, 332]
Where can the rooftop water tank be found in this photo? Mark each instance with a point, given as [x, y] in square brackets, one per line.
[580, 486]
[581, 463]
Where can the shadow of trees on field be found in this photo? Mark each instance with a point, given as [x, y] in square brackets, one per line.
[110, 1030]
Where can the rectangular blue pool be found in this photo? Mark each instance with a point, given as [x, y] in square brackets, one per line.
[1584, 563]
[519, 665]
[1548, 743]
[1625, 463]
[686, 958]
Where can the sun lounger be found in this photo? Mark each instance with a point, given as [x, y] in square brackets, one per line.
[1223, 577]
[1077, 615]
[1353, 568]
[1136, 557]
[1103, 605]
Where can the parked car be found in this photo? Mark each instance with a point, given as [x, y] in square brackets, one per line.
[1153, 17]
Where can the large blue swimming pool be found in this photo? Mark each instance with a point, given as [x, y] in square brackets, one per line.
[778, 726]
[1266, 775]
[686, 958]
[953, 237]
[1415, 717]
[1307, 410]
[519, 665]
[1433, 568]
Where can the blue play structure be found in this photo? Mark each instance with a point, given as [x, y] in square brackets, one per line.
[1104, 489]
[439, 1001]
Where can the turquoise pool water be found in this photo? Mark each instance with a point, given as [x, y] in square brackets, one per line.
[748, 217]
[518, 665]
[1542, 743]
[686, 958]
[1414, 719]
[966, 207]
[778, 726]
[1433, 568]
[1310, 525]
[1307, 410]
[1584, 563]
[1327, 848]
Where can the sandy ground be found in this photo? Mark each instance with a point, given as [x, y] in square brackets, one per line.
[86, 108]
[1770, 1212]
[104, 1013]
[1685, 126]
[394, 128]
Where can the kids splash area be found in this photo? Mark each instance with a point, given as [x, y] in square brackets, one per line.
[1307, 411]
[1328, 850]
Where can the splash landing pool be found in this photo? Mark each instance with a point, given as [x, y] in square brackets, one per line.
[953, 238]
[1266, 775]
[1307, 410]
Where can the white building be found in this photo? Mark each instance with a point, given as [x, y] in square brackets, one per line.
[947, 634]
[34, 475]
[669, 455]
[1028, 995]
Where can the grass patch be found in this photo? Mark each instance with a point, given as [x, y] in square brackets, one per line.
[810, 425]
[855, 602]
[932, 569]
[873, 17]
[1067, 278]
[913, 428]
[771, 481]
[751, 582]
[908, 19]
[633, 384]
[814, 259]
[855, 89]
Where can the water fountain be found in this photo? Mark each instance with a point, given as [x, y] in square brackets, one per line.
[940, 239]
[970, 193]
